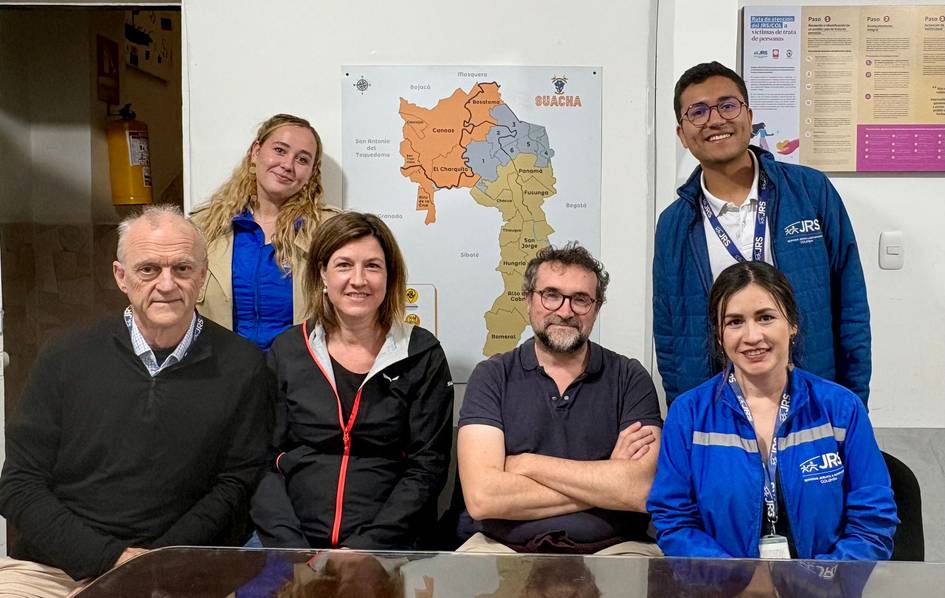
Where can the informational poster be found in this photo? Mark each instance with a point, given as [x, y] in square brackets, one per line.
[475, 169]
[848, 88]
[148, 42]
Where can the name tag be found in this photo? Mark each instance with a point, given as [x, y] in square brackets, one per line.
[774, 547]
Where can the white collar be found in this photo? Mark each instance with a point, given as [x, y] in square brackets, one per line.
[718, 205]
[146, 354]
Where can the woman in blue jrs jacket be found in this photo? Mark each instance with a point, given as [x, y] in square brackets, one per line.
[766, 459]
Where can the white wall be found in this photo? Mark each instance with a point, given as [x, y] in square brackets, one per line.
[44, 137]
[908, 305]
[248, 60]
[60, 137]
[14, 124]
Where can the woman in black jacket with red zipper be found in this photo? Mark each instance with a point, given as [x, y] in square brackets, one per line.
[364, 404]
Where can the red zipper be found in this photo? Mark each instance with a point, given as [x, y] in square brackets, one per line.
[346, 436]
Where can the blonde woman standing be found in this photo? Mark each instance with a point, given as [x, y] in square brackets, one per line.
[259, 225]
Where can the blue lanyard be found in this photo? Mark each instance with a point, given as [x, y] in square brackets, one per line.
[758, 250]
[771, 467]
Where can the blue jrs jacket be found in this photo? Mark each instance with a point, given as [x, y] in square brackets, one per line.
[707, 500]
[812, 243]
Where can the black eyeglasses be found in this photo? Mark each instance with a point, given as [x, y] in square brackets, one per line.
[552, 300]
[698, 114]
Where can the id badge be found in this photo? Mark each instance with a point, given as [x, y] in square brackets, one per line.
[774, 546]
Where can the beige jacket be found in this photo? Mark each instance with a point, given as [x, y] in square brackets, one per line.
[215, 300]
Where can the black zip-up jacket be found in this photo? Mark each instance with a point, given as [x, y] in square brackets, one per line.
[379, 489]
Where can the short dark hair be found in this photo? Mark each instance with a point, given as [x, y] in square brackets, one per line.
[570, 254]
[332, 235]
[700, 73]
[735, 278]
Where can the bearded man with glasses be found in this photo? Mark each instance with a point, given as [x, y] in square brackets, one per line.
[558, 439]
[740, 204]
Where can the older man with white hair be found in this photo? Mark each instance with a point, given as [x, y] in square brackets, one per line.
[144, 430]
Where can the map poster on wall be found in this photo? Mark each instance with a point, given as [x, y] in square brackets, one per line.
[474, 169]
[848, 88]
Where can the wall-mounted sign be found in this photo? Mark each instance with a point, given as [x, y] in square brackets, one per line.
[421, 306]
[848, 88]
[107, 83]
[475, 169]
[148, 42]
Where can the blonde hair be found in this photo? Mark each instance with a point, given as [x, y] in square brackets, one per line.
[238, 194]
[335, 234]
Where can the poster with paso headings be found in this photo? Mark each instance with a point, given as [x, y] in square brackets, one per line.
[848, 88]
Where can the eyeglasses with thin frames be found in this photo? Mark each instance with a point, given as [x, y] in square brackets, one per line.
[698, 114]
[552, 300]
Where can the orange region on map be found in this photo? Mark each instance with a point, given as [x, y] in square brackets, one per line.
[435, 140]
[483, 97]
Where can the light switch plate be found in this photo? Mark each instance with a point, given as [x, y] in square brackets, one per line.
[891, 250]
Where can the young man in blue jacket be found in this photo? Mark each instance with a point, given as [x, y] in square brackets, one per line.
[741, 204]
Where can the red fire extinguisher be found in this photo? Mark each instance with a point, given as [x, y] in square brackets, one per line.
[129, 159]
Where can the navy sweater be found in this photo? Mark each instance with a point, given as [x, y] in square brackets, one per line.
[101, 456]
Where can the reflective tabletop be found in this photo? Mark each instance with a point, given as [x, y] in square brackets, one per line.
[247, 573]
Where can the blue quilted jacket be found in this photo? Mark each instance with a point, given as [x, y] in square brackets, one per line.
[707, 500]
[812, 242]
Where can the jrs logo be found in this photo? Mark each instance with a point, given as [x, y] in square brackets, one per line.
[803, 231]
[827, 572]
[823, 468]
[801, 226]
[723, 236]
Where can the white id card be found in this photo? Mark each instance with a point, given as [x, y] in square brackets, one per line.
[774, 547]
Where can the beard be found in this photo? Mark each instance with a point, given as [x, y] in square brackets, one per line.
[561, 340]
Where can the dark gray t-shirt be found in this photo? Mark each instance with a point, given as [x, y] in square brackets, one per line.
[513, 393]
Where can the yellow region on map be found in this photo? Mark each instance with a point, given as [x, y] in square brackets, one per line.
[474, 140]
[518, 193]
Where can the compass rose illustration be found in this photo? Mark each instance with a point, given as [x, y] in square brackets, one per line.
[362, 84]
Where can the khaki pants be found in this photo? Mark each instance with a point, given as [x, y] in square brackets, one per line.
[481, 543]
[26, 579]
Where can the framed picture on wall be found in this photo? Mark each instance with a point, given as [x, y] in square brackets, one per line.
[107, 83]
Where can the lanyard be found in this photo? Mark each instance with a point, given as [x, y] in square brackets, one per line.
[758, 249]
[771, 467]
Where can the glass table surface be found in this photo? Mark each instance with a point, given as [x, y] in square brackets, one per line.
[250, 573]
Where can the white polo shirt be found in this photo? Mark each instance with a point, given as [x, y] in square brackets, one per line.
[738, 222]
